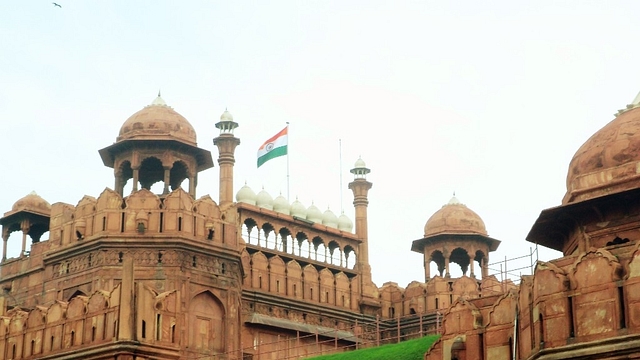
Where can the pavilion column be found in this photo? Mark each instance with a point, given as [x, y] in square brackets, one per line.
[167, 177]
[25, 230]
[427, 267]
[5, 240]
[119, 185]
[136, 177]
[471, 266]
[325, 255]
[192, 185]
[447, 274]
[485, 267]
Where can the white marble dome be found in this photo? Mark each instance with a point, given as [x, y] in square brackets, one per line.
[264, 200]
[330, 219]
[299, 210]
[344, 223]
[281, 205]
[246, 195]
[314, 214]
[226, 116]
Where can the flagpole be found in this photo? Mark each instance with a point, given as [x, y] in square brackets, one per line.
[288, 198]
[340, 154]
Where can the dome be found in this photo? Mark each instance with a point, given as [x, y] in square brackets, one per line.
[246, 195]
[32, 203]
[299, 210]
[359, 164]
[314, 214]
[281, 205]
[264, 200]
[330, 219]
[454, 218]
[344, 223]
[360, 169]
[609, 161]
[226, 116]
[157, 121]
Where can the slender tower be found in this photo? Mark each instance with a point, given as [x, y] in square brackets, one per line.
[360, 187]
[226, 143]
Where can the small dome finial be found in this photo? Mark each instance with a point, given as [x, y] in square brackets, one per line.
[159, 101]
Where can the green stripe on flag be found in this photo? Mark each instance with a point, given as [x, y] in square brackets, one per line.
[279, 151]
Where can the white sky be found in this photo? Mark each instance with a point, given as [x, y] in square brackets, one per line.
[487, 99]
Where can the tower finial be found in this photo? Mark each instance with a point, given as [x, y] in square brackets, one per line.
[158, 92]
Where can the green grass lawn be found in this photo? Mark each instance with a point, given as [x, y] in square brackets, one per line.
[406, 350]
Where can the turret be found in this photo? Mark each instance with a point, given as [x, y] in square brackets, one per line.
[156, 144]
[360, 187]
[226, 143]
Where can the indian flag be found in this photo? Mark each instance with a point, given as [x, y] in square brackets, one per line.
[274, 147]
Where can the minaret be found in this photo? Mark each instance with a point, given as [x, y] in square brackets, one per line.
[369, 303]
[226, 143]
[360, 187]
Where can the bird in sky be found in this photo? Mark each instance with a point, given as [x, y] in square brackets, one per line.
[58, 5]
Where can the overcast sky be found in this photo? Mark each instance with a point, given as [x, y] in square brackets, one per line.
[487, 99]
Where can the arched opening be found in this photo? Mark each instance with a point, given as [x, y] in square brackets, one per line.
[334, 256]
[151, 172]
[124, 174]
[350, 257]
[317, 241]
[541, 328]
[461, 257]
[285, 244]
[178, 173]
[248, 232]
[480, 260]
[76, 294]
[268, 236]
[301, 238]
[436, 265]
[14, 245]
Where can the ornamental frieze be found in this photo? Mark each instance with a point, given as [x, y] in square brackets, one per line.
[150, 258]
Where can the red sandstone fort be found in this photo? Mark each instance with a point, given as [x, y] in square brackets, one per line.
[139, 275]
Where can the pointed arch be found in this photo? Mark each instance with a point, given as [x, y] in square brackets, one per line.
[178, 173]
[294, 279]
[343, 294]
[437, 257]
[259, 271]
[249, 233]
[301, 239]
[335, 257]
[311, 285]
[277, 277]
[461, 257]
[269, 236]
[206, 323]
[151, 172]
[350, 257]
[327, 287]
